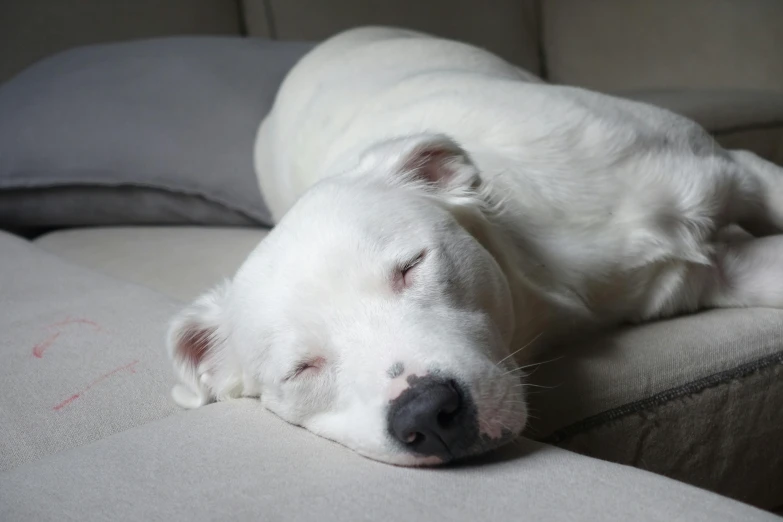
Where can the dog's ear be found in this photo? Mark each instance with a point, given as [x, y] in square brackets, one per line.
[432, 160]
[198, 340]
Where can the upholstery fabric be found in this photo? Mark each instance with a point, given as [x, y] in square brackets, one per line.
[83, 355]
[720, 111]
[506, 27]
[83, 361]
[33, 29]
[693, 398]
[643, 44]
[52, 207]
[180, 262]
[724, 436]
[712, 377]
[235, 461]
[256, 15]
[766, 142]
[136, 122]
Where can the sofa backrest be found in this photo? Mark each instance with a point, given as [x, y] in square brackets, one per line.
[610, 45]
[647, 44]
[33, 29]
[506, 27]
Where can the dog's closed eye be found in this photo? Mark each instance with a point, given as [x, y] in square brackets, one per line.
[306, 368]
[405, 274]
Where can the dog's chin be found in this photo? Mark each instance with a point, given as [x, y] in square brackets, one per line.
[411, 460]
[402, 459]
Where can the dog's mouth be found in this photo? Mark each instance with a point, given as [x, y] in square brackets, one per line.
[484, 444]
[501, 419]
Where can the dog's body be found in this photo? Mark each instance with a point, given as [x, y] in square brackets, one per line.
[444, 209]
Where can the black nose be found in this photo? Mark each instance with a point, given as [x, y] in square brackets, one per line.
[434, 416]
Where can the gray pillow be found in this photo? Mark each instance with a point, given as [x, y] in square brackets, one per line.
[154, 131]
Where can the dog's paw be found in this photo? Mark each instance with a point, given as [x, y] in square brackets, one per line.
[186, 398]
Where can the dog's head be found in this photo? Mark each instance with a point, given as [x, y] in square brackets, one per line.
[370, 315]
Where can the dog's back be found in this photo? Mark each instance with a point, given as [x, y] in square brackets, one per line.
[367, 85]
[358, 88]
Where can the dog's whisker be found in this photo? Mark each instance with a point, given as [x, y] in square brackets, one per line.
[534, 371]
[533, 364]
[534, 339]
[525, 384]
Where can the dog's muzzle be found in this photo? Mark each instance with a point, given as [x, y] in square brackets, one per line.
[435, 416]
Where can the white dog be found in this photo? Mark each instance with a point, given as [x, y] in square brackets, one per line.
[438, 210]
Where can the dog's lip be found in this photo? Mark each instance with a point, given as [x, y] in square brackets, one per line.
[404, 460]
[509, 391]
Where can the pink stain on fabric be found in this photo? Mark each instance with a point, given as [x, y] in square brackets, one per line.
[130, 367]
[78, 320]
[40, 348]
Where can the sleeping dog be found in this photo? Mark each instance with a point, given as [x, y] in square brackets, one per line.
[440, 213]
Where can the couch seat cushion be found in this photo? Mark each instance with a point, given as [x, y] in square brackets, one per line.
[696, 398]
[180, 262]
[236, 461]
[83, 354]
[83, 361]
[693, 398]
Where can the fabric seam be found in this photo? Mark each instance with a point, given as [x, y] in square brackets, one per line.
[51, 184]
[664, 397]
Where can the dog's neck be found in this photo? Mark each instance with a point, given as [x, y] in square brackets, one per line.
[533, 313]
[546, 312]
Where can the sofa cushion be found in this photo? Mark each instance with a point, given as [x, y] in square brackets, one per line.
[180, 262]
[154, 131]
[637, 44]
[33, 29]
[509, 28]
[739, 119]
[696, 398]
[83, 360]
[658, 392]
[83, 354]
[235, 461]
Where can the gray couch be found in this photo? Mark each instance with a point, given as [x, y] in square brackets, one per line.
[125, 176]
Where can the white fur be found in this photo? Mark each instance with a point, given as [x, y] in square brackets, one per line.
[545, 211]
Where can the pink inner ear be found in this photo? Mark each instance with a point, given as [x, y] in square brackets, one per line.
[431, 165]
[194, 345]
